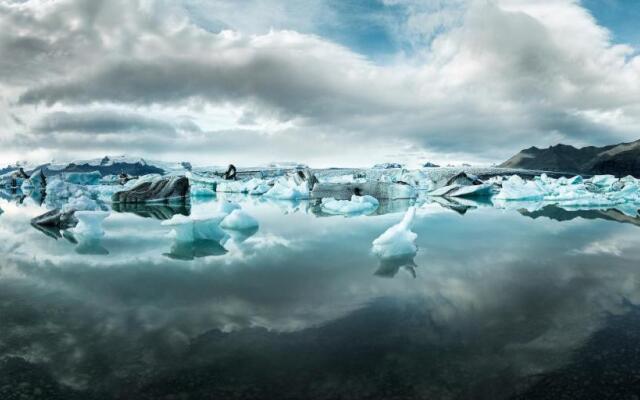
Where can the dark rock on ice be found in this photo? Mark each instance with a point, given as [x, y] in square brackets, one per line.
[231, 172]
[159, 190]
[56, 219]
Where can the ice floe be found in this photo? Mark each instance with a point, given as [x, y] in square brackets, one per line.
[600, 191]
[252, 186]
[398, 240]
[190, 228]
[207, 225]
[286, 188]
[357, 205]
[83, 178]
[90, 223]
[239, 220]
[200, 191]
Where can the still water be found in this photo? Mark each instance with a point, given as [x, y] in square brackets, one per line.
[497, 304]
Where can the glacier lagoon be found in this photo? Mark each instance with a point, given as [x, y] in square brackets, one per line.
[496, 303]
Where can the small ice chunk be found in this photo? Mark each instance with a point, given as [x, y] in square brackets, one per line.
[90, 223]
[603, 181]
[201, 191]
[398, 240]
[239, 220]
[357, 205]
[196, 227]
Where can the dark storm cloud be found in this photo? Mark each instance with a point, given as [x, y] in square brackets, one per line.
[490, 78]
[292, 87]
[102, 122]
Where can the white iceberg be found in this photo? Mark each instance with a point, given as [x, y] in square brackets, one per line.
[260, 189]
[516, 188]
[201, 191]
[81, 202]
[357, 205]
[90, 223]
[398, 240]
[600, 191]
[603, 181]
[346, 178]
[70, 196]
[253, 186]
[231, 187]
[205, 224]
[288, 189]
[83, 178]
[189, 229]
[239, 220]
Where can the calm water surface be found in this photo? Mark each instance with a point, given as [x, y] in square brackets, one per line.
[497, 304]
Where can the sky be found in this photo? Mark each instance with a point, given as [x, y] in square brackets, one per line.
[323, 82]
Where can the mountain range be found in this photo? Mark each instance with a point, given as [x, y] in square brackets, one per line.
[618, 159]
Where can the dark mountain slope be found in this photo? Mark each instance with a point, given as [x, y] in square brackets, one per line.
[619, 160]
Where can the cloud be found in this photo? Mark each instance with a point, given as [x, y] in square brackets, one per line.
[483, 79]
[103, 122]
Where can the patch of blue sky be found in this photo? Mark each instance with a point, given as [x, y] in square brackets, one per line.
[621, 17]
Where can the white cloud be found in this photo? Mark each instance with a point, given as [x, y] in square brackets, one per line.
[490, 78]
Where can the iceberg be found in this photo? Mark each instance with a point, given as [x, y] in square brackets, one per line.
[90, 223]
[455, 190]
[253, 186]
[350, 178]
[70, 196]
[603, 181]
[239, 220]
[81, 202]
[260, 189]
[200, 226]
[398, 240]
[516, 188]
[201, 191]
[83, 178]
[600, 191]
[189, 229]
[357, 205]
[288, 189]
[387, 165]
[231, 187]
